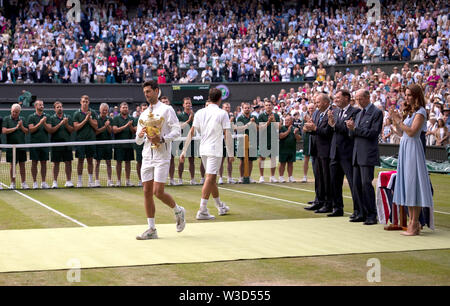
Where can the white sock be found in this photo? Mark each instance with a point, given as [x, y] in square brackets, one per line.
[79, 178]
[176, 208]
[217, 201]
[151, 222]
[203, 203]
[90, 178]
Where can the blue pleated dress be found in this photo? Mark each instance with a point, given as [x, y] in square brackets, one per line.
[412, 186]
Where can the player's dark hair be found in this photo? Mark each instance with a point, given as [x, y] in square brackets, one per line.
[152, 83]
[215, 95]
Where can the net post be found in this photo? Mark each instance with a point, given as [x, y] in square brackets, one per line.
[246, 179]
[14, 162]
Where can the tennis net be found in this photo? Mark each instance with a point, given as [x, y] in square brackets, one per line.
[60, 164]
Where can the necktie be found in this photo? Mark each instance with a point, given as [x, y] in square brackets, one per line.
[362, 115]
[341, 113]
[321, 116]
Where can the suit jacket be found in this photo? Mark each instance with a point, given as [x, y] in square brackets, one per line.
[367, 129]
[321, 140]
[342, 143]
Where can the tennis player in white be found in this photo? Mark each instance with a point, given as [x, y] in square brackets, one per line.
[211, 123]
[156, 161]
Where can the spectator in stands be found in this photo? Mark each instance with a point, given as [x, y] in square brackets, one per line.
[192, 74]
[64, 73]
[38, 129]
[433, 79]
[122, 127]
[207, 75]
[309, 71]
[85, 124]
[14, 127]
[61, 128]
[104, 151]
[265, 75]
[100, 72]
[297, 74]
[387, 130]
[431, 128]
[441, 133]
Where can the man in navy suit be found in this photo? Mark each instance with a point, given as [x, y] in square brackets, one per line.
[341, 150]
[320, 149]
[365, 130]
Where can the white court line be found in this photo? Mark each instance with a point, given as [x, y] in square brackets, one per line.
[48, 207]
[288, 187]
[268, 197]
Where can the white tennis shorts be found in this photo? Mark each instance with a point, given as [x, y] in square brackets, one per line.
[156, 170]
[211, 164]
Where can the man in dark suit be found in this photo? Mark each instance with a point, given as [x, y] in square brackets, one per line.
[64, 73]
[365, 130]
[341, 150]
[320, 149]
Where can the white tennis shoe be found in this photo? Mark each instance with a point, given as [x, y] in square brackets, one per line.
[150, 233]
[204, 215]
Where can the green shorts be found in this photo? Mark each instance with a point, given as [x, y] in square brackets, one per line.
[61, 154]
[85, 152]
[287, 157]
[123, 154]
[38, 154]
[249, 158]
[103, 152]
[21, 155]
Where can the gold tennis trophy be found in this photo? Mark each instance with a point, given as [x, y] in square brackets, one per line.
[152, 125]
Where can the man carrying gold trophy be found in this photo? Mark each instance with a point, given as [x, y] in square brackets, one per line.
[158, 127]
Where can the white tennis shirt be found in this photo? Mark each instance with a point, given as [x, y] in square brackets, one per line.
[210, 122]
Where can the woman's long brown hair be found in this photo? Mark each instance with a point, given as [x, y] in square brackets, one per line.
[418, 98]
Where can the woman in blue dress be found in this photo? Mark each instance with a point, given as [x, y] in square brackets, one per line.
[412, 186]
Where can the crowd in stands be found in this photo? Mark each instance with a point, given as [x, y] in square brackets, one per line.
[387, 91]
[209, 41]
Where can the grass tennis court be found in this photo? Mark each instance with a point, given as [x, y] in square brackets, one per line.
[255, 202]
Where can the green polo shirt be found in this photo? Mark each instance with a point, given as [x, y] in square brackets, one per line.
[244, 120]
[183, 117]
[263, 117]
[119, 121]
[289, 143]
[87, 132]
[40, 135]
[105, 135]
[61, 134]
[18, 136]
